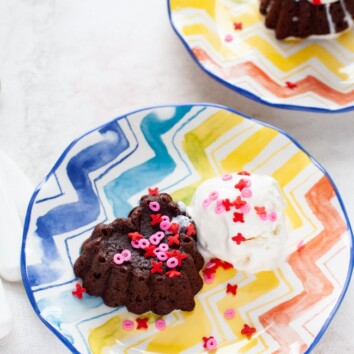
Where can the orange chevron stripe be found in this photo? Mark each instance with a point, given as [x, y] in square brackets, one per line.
[309, 83]
[316, 285]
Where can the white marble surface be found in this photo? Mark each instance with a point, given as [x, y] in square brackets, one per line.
[68, 66]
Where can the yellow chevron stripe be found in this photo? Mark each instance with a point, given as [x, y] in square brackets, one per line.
[251, 147]
[270, 157]
[248, 150]
[284, 175]
[252, 17]
[291, 62]
[207, 5]
[105, 335]
[282, 279]
[170, 339]
[197, 140]
[144, 342]
[290, 210]
[248, 18]
[111, 331]
[304, 216]
[347, 41]
[264, 283]
[284, 63]
[213, 39]
[222, 277]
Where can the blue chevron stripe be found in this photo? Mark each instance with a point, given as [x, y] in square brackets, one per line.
[59, 194]
[154, 170]
[68, 217]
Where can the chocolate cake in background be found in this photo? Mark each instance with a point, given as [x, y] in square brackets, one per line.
[305, 18]
[146, 262]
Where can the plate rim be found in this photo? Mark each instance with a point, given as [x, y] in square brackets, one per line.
[246, 93]
[64, 153]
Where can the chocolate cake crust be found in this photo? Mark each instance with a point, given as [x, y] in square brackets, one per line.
[301, 18]
[144, 282]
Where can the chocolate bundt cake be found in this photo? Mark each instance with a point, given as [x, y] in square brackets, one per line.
[305, 18]
[147, 262]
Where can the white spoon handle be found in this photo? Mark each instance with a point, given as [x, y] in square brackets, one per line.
[6, 319]
[10, 237]
[19, 186]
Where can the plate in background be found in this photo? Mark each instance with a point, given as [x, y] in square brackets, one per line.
[103, 173]
[257, 65]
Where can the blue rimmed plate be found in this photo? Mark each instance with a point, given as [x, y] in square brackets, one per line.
[313, 75]
[103, 173]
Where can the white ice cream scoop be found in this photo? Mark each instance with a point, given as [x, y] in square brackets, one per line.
[240, 219]
[6, 318]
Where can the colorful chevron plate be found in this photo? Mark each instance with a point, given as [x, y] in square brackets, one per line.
[229, 41]
[103, 173]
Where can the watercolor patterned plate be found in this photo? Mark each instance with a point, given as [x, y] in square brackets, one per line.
[249, 60]
[103, 173]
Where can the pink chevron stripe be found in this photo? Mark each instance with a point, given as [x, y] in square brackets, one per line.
[308, 84]
[303, 262]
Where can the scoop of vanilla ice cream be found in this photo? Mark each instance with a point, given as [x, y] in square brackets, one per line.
[240, 219]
